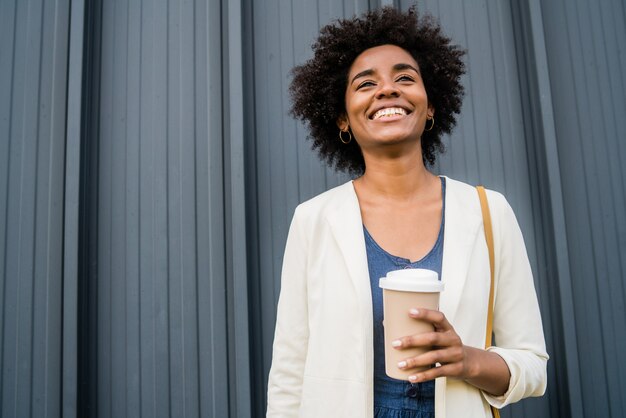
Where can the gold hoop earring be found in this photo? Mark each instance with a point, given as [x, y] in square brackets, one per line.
[341, 137]
[432, 119]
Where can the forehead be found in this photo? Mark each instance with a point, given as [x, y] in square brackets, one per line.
[381, 57]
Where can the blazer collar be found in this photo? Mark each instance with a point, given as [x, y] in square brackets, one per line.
[344, 218]
[460, 233]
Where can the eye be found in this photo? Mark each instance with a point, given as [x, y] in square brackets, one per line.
[405, 77]
[366, 83]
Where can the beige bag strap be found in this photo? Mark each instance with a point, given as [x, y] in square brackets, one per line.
[484, 207]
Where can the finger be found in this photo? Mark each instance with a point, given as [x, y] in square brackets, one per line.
[437, 318]
[428, 339]
[445, 356]
[447, 370]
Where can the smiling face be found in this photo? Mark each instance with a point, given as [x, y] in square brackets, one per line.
[386, 101]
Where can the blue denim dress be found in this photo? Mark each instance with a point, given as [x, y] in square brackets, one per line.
[397, 398]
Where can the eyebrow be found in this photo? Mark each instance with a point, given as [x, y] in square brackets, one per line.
[397, 67]
[362, 74]
[401, 66]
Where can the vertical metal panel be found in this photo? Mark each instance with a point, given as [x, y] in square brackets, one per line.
[88, 267]
[71, 221]
[584, 41]
[156, 164]
[235, 211]
[210, 159]
[33, 65]
[549, 213]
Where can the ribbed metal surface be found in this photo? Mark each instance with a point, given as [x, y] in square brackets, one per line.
[585, 43]
[158, 336]
[33, 65]
[189, 169]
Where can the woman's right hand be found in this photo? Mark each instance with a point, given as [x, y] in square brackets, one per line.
[481, 368]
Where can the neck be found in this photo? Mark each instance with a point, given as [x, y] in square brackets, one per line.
[402, 178]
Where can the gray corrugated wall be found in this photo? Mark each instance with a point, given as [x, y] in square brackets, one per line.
[551, 266]
[586, 44]
[167, 335]
[184, 106]
[33, 72]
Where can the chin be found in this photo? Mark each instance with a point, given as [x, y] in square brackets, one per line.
[395, 138]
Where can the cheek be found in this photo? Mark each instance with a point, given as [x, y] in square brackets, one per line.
[355, 107]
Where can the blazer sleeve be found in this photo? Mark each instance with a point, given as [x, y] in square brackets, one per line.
[517, 323]
[292, 329]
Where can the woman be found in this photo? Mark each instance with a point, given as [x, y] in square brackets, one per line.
[377, 96]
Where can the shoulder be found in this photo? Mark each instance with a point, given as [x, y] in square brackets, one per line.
[316, 216]
[467, 194]
[327, 201]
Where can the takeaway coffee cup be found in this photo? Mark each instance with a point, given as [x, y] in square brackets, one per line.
[403, 290]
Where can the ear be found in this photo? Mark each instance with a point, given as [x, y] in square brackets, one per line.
[342, 122]
[431, 110]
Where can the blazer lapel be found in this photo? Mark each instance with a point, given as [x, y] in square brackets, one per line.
[346, 225]
[344, 219]
[461, 227]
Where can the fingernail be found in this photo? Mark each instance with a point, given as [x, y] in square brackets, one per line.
[412, 378]
[396, 343]
[402, 364]
[414, 311]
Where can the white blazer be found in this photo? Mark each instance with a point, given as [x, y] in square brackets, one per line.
[322, 364]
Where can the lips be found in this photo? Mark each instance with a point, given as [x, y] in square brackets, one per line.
[388, 112]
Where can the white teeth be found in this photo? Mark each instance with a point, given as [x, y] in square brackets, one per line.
[389, 111]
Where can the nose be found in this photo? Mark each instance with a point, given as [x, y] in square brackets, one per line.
[387, 88]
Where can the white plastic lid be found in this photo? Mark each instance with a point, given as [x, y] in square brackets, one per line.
[412, 280]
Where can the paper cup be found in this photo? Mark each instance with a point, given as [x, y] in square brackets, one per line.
[403, 290]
